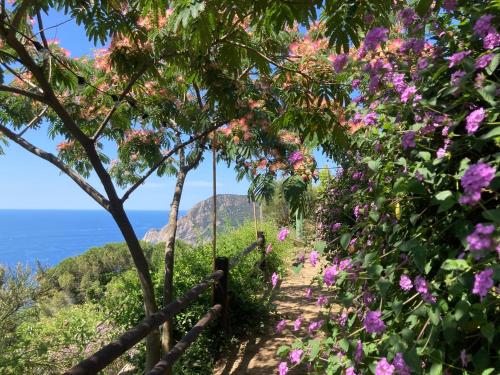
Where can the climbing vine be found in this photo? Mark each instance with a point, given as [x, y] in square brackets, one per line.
[408, 228]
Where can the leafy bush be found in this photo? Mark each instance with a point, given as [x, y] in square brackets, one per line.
[409, 226]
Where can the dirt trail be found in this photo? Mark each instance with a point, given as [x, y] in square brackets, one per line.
[257, 356]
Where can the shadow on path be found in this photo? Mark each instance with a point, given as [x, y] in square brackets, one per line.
[257, 355]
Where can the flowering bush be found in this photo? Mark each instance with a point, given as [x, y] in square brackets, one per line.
[408, 226]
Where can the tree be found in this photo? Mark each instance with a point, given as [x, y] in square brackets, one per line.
[169, 78]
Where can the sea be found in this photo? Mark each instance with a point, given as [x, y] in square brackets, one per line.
[49, 236]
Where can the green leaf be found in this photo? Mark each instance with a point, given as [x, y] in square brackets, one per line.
[282, 350]
[488, 371]
[455, 264]
[374, 165]
[436, 369]
[383, 286]
[461, 310]
[315, 346]
[423, 7]
[488, 331]
[493, 215]
[344, 345]
[493, 64]
[320, 246]
[488, 93]
[495, 132]
[442, 195]
[345, 239]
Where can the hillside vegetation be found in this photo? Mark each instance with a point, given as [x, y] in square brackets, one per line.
[86, 301]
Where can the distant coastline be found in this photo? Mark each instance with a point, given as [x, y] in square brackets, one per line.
[49, 236]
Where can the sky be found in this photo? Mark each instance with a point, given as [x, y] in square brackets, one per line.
[28, 182]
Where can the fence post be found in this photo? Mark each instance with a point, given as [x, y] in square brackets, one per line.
[220, 291]
[262, 247]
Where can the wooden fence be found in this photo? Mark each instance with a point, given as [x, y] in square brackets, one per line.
[219, 282]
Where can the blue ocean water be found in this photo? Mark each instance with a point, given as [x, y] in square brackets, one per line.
[49, 236]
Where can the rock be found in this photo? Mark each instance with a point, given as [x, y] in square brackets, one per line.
[196, 226]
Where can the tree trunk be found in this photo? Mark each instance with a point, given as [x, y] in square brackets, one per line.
[153, 352]
[168, 328]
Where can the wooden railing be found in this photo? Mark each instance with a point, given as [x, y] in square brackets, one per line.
[218, 280]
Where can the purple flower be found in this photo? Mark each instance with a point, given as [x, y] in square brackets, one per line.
[481, 239]
[457, 77]
[274, 279]
[329, 276]
[321, 301]
[295, 157]
[373, 323]
[344, 264]
[313, 258]
[408, 140]
[398, 81]
[463, 358]
[296, 355]
[492, 40]
[474, 119]
[483, 282]
[358, 355]
[449, 5]
[483, 61]
[405, 283]
[421, 285]
[422, 63]
[483, 25]
[343, 319]
[374, 37]
[355, 83]
[339, 62]
[350, 371]
[477, 177]
[280, 326]
[283, 234]
[407, 16]
[335, 227]
[314, 326]
[457, 58]
[283, 368]
[400, 365]
[370, 118]
[297, 324]
[408, 92]
[384, 367]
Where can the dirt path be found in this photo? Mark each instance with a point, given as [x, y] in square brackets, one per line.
[257, 356]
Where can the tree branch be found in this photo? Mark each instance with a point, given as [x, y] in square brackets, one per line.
[94, 194]
[22, 92]
[165, 157]
[35, 119]
[125, 92]
[41, 29]
[19, 77]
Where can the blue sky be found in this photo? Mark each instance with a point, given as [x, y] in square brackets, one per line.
[28, 182]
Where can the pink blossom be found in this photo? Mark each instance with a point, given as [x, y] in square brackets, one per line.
[283, 368]
[297, 324]
[350, 371]
[313, 258]
[384, 367]
[474, 119]
[280, 326]
[274, 279]
[283, 234]
[329, 275]
[296, 355]
[321, 301]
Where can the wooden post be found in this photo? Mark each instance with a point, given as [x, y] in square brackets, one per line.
[262, 247]
[220, 291]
